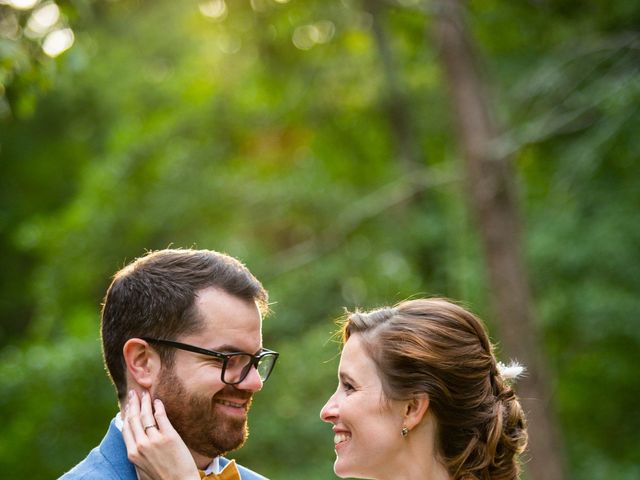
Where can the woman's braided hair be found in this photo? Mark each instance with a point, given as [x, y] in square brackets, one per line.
[436, 347]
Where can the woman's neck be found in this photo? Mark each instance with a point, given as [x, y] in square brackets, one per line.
[418, 458]
[419, 467]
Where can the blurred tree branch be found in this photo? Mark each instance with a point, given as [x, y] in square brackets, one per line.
[375, 203]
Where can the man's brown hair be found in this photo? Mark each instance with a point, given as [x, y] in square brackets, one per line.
[154, 296]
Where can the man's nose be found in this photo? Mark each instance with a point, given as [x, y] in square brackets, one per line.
[252, 382]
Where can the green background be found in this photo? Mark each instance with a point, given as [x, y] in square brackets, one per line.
[267, 133]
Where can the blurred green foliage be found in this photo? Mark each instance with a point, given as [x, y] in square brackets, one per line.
[261, 129]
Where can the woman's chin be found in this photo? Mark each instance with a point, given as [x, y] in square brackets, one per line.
[344, 471]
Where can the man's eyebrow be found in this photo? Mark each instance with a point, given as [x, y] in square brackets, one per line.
[228, 348]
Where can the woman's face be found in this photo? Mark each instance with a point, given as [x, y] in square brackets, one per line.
[366, 427]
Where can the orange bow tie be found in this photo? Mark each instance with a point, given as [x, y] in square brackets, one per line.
[229, 472]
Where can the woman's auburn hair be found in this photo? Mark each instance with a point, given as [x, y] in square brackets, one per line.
[437, 347]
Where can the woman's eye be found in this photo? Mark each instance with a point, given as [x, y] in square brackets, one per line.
[348, 387]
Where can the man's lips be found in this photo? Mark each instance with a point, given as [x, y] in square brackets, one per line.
[232, 403]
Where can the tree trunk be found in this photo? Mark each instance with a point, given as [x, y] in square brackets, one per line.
[494, 204]
[396, 104]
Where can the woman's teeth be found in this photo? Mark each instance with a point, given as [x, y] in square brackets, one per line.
[341, 437]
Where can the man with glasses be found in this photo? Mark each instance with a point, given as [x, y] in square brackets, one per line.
[184, 327]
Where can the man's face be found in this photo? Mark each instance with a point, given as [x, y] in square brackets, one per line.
[209, 415]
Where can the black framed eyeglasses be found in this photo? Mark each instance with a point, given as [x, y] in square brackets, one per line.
[235, 365]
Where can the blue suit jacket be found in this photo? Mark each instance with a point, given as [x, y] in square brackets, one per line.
[108, 461]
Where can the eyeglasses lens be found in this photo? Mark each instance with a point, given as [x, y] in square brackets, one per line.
[238, 367]
[265, 365]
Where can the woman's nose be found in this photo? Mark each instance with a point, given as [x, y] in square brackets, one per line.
[330, 410]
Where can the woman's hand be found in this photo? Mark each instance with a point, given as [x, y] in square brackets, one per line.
[153, 446]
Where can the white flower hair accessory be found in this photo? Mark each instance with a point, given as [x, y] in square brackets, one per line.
[511, 371]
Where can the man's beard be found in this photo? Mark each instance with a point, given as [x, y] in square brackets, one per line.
[195, 418]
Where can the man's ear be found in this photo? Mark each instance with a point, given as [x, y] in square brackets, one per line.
[415, 410]
[143, 363]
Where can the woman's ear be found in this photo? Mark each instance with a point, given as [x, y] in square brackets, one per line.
[143, 363]
[415, 410]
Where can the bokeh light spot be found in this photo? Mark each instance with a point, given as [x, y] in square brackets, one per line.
[43, 19]
[58, 41]
[216, 9]
[306, 36]
[23, 4]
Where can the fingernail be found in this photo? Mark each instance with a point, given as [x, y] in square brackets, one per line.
[130, 393]
[144, 393]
